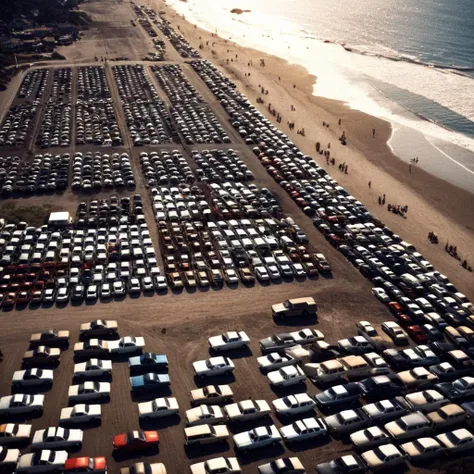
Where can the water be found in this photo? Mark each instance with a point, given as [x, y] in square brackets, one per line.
[401, 60]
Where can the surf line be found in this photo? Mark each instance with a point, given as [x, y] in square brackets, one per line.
[452, 159]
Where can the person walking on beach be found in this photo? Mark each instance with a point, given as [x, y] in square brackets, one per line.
[373, 133]
[370, 184]
[409, 168]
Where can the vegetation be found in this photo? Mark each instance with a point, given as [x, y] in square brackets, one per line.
[33, 215]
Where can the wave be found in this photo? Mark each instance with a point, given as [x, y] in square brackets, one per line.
[397, 57]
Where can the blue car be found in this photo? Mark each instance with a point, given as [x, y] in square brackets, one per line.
[148, 362]
[147, 382]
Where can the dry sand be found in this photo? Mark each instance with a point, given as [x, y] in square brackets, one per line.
[433, 204]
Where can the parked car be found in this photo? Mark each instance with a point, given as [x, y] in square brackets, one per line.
[286, 376]
[350, 463]
[88, 391]
[80, 414]
[149, 382]
[14, 433]
[32, 378]
[217, 466]
[275, 361]
[229, 341]
[97, 465]
[294, 404]
[99, 328]
[247, 410]
[339, 395]
[93, 368]
[257, 438]
[282, 466]
[383, 457]
[302, 430]
[213, 366]
[21, 403]
[457, 441]
[422, 449]
[158, 408]
[346, 421]
[57, 438]
[148, 362]
[205, 415]
[409, 426]
[205, 434]
[369, 438]
[42, 461]
[136, 440]
[385, 410]
[211, 394]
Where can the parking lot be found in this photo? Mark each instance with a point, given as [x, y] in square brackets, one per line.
[192, 215]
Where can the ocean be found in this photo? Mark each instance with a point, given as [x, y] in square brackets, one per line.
[409, 62]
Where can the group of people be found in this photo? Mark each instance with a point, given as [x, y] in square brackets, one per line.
[400, 210]
[433, 237]
[453, 251]
[301, 132]
[343, 167]
[274, 113]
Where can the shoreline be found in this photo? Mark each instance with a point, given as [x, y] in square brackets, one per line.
[434, 204]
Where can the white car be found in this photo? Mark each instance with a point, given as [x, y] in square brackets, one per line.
[301, 430]
[11, 433]
[217, 466]
[32, 378]
[231, 276]
[91, 348]
[381, 295]
[80, 414]
[257, 438]
[105, 291]
[425, 400]
[57, 438]
[126, 345]
[99, 328]
[93, 368]
[211, 395]
[62, 296]
[247, 410]
[325, 371]
[88, 391]
[456, 441]
[261, 273]
[147, 284]
[382, 457]
[213, 366]
[274, 361]
[385, 410]
[205, 415]
[118, 288]
[229, 340]
[294, 404]
[21, 403]
[286, 376]
[423, 448]
[158, 408]
[92, 292]
[370, 438]
[307, 336]
[160, 283]
[8, 457]
[42, 461]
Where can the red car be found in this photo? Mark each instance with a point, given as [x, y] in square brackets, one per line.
[136, 440]
[93, 465]
[417, 334]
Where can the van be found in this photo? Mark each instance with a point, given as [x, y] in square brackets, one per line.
[205, 434]
[286, 242]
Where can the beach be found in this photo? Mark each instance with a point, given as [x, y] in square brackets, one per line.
[434, 205]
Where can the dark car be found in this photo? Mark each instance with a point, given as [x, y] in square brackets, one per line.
[350, 464]
[441, 348]
[148, 362]
[277, 343]
[446, 372]
[377, 388]
[397, 360]
[338, 396]
[432, 333]
[459, 389]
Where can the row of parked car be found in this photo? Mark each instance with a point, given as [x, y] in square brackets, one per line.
[160, 46]
[33, 85]
[56, 123]
[216, 166]
[94, 171]
[96, 122]
[167, 167]
[147, 119]
[17, 124]
[46, 266]
[42, 173]
[50, 447]
[405, 281]
[178, 41]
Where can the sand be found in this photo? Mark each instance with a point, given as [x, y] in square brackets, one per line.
[433, 204]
